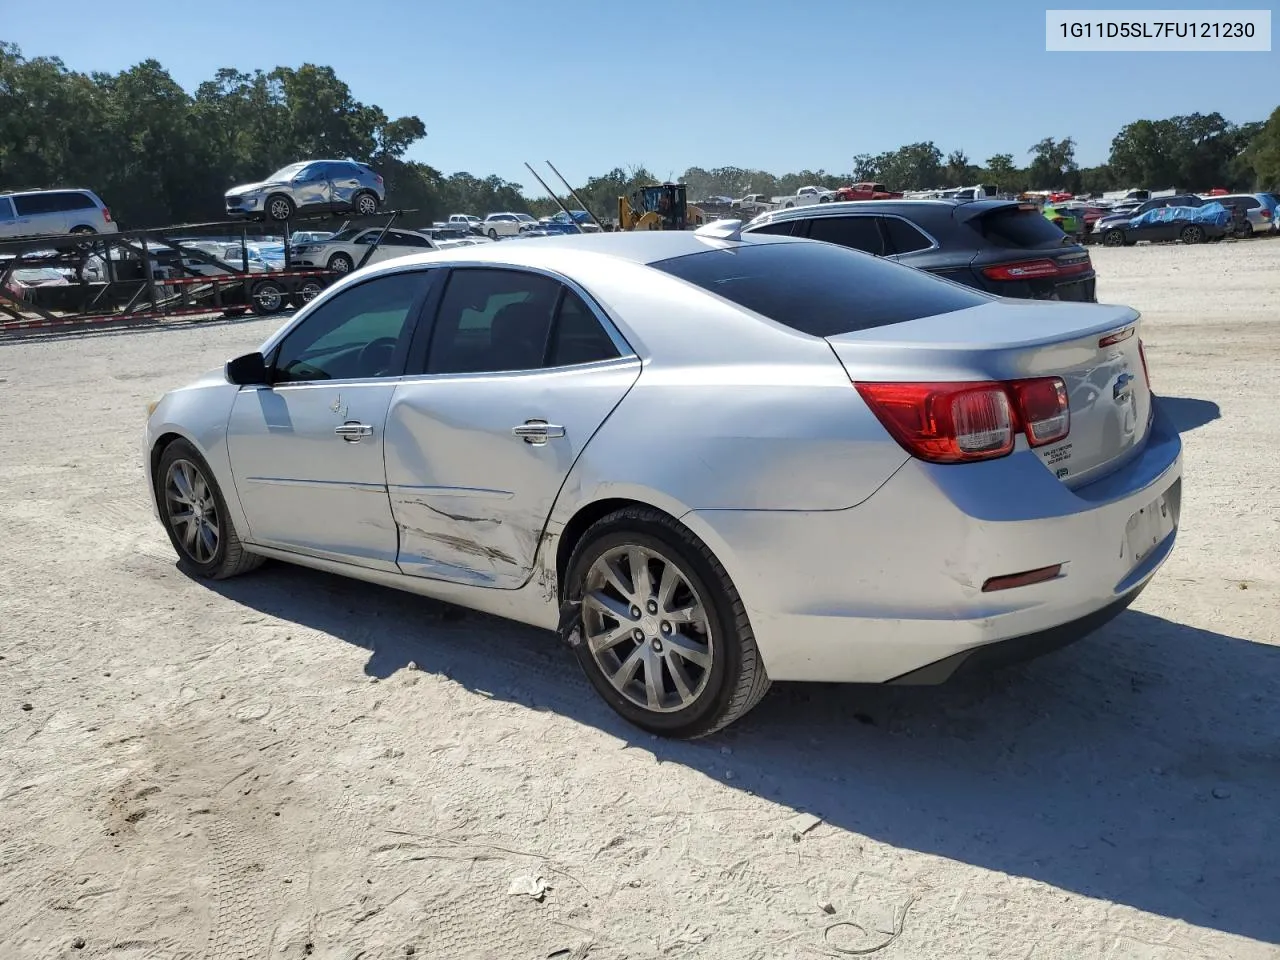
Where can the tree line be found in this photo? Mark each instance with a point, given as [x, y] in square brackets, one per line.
[159, 154]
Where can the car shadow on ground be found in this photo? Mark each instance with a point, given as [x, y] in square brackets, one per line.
[1139, 766]
[1188, 413]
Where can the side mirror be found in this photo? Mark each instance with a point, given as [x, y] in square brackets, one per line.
[249, 370]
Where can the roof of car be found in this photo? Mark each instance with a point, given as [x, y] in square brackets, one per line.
[903, 205]
[558, 251]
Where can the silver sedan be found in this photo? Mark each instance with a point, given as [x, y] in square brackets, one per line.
[709, 461]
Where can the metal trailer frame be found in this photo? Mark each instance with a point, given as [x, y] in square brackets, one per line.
[148, 297]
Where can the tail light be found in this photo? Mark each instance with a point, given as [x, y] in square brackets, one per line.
[1035, 269]
[106, 214]
[379, 177]
[965, 422]
[1146, 372]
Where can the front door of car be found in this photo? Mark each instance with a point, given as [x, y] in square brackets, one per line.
[519, 374]
[306, 450]
[311, 189]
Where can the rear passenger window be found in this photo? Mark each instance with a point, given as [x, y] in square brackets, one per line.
[491, 321]
[820, 288]
[857, 233]
[905, 237]
[34, 204]
[6, 209]
[577, 336]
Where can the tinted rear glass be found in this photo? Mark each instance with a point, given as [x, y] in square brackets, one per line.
[820, 288]
[1016, 229]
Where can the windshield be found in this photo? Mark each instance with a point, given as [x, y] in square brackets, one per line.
[287, 173]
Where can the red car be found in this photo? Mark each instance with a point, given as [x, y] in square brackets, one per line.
[867, 191]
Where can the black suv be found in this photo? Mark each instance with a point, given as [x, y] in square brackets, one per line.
[1000, 246]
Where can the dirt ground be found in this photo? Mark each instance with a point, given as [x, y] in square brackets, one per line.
[290, 764]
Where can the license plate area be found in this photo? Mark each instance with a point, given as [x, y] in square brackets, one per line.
[1149, 526]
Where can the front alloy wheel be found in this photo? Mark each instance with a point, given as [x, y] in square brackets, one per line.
[647, 628]
[192, 511]
[195, 515]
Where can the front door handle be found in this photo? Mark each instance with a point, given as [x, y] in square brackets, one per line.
[537, 431]
[351, 431]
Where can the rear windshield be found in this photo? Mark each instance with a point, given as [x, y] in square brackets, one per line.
[820, 288]
[1018, 228]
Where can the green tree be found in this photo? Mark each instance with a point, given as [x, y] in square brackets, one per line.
[1053, 163]
[1262, 156]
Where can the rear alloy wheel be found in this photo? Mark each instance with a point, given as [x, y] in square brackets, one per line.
[195, 516]
[665, 638]
[1192, 234]
[366, 205]
[279, 207]
[1113, 238]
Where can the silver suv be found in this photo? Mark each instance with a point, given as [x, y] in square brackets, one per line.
[33, 213]
[312, 186]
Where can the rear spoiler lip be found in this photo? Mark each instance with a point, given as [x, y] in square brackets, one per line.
[966, 212]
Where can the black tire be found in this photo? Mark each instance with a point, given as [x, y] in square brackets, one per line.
[493, 233]
[364, 204]
[268, 297]
[229, 558]
[307, 291]
[737, 679]
[824, 199]
[341, 263]
[279, 208]
[1191, 234]
[1113, 238]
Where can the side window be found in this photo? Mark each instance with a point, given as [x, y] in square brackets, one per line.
[6, 209]
[577, 336]
[368, 237]
[783, 228]
[71, 201]
[492, 320]
[904, 237]
[859, 233]
[1249, 203]
[33, 204]
[360, 333]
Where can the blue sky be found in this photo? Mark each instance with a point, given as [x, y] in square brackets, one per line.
[671, 84]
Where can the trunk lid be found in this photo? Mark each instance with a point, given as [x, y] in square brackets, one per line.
[1093, 348]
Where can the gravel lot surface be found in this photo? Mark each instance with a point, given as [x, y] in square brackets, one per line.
[291, 764]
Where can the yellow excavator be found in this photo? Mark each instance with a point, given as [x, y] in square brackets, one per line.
[662, 206]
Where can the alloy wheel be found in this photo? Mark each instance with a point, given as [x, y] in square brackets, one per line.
[192, 510]
[366, 206]
[647, 629]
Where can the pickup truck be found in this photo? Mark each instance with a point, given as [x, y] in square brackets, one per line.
[805, 196]
[753, 203]
[868, 191]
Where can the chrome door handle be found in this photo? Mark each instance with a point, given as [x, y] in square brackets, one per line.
[352, 432]
[537, 431]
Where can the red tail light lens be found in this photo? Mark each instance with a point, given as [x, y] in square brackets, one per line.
[965, 422]
[106, 214]
[379, 176]
[1044, 409]
[1034, 269]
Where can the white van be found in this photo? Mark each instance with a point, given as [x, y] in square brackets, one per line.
[35, 213]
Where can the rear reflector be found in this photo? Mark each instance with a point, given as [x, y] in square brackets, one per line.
[969, 421]
[1009, 581]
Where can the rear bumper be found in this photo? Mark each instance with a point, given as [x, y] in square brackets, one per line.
[878, 591]
[1003, 653]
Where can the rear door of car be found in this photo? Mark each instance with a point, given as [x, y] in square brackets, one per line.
[344, 180]
[503, 392]
[39, 213]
